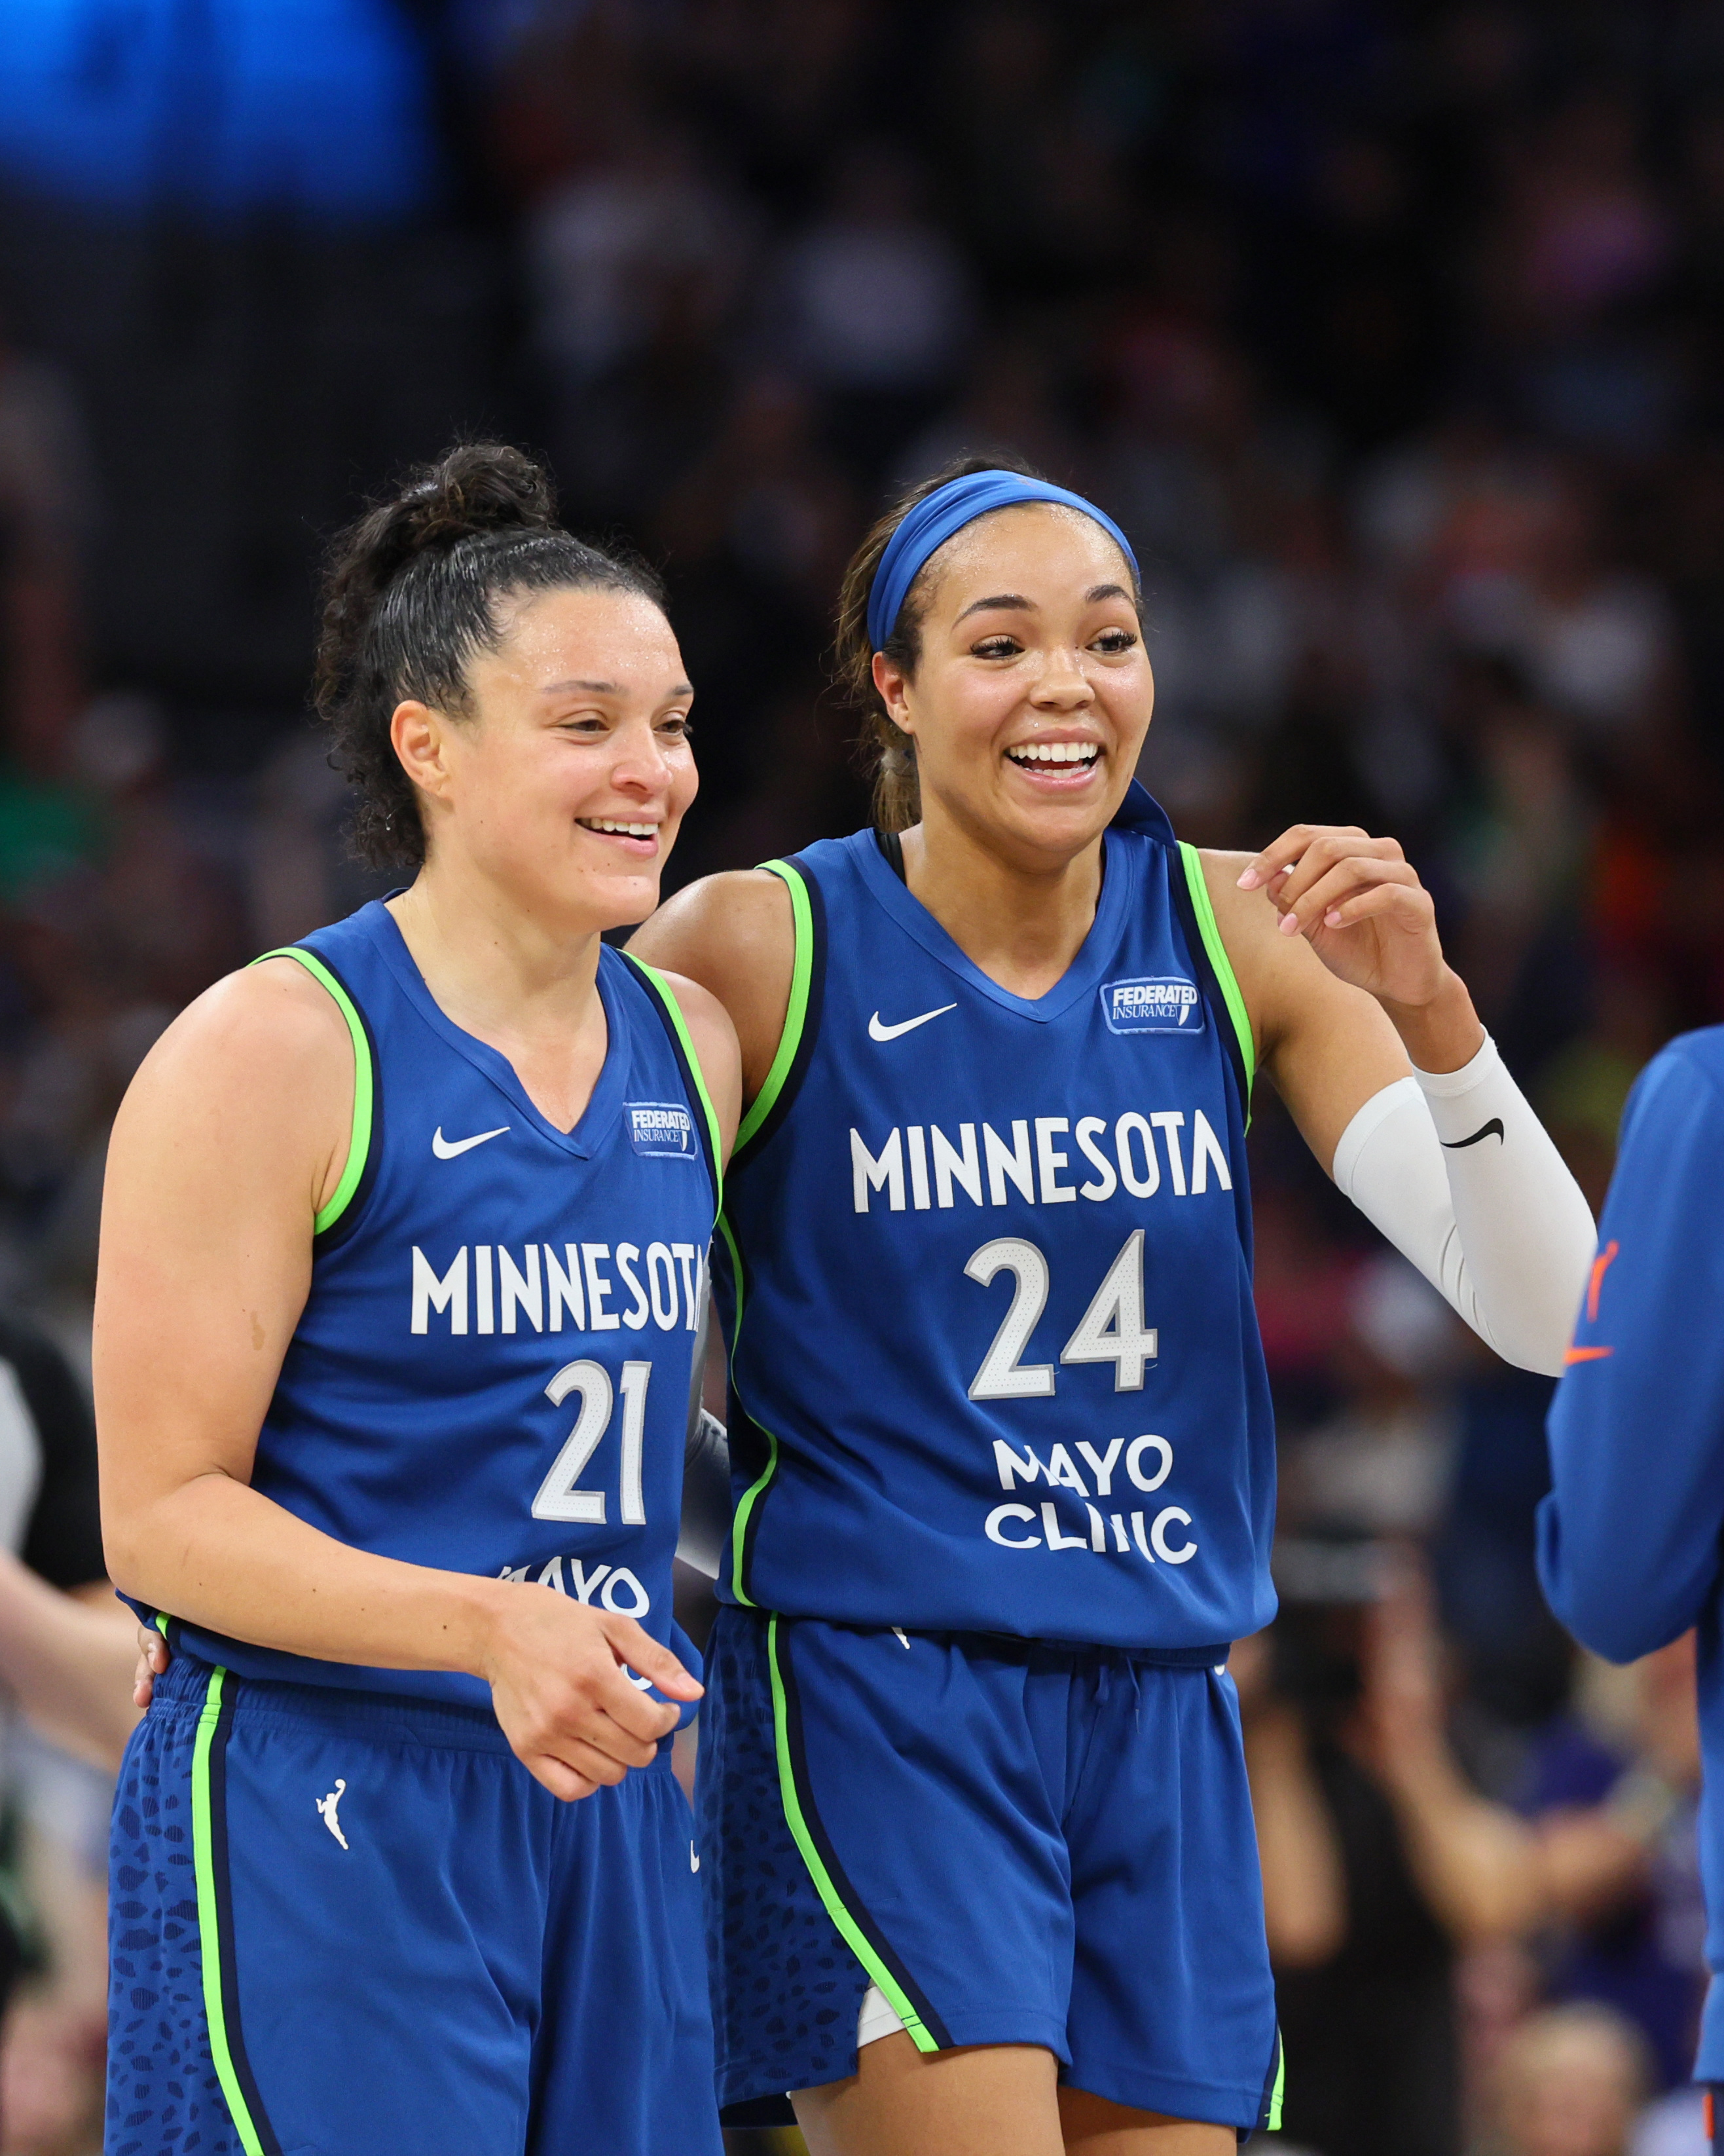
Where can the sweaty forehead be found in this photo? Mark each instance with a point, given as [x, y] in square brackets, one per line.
[1039, 549]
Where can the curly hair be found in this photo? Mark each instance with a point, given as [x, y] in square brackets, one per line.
[412, 593]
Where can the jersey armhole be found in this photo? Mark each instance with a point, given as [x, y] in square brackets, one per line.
[697, 1078]
[779, 1086]
[1220, 964]
[359, 1142]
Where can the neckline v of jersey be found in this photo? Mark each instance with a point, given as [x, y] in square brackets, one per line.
[603, 1103]
[1083, 974]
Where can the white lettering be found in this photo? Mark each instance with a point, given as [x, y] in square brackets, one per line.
[640, 1604]
[1135, 1453]
[1169, 1122]
[563, 1290]
[1085, 1134]
[1050, 1161]
[1061, 1470]
[636, 1314]
[1132, 1124]
[449, 1293]
[994, 1526]
[1056, 1540]
[521, 1290]
[1206, 1146]
[684, 1254]
[1120, 1542]
[1016, 1163]
[482, 1286]
[585, 1584]
[598, 1287]
[1112, 1330]
[887, 1173]
[1098, 1531]
[1158, 1536]
[918, 1169]
[1101, 1464]
[1012, 1470]
[950, 1167]
[664, 1310]
[1138, 1537]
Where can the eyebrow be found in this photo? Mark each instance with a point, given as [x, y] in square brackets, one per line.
[1015, 601]
[612, 688]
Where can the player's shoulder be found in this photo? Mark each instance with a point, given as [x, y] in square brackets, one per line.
[265, 1032]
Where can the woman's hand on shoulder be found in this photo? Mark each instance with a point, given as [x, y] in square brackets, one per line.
[735, 935]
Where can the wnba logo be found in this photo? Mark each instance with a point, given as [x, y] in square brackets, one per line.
[1170, 1004]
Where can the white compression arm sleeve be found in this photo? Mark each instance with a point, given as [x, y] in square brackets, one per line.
[1455, 1168]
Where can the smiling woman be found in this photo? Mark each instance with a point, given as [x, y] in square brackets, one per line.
[1004, 1460]
[350, 1195]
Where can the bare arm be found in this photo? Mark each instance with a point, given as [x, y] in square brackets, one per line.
[732, 934]
[68, 1660]
[232, 1134]
[1478, 1863]
[1304, 1886]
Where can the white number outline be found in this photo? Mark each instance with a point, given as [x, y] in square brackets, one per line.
[558, 1497]
[1002, 1376]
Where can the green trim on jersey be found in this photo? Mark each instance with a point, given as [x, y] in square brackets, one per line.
[796, 1011]
[209, 1929]
[672, 1010]
[1217, 950]
[756, 1489]
[854, 1935]
[1272, 2124]
[364, 1083]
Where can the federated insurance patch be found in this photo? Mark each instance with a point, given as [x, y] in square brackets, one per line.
[1163, 1003]
[662, 1130]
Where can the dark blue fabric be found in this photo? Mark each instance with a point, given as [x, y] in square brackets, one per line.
[1054, 1844]
[1629, 1537]
[437, 1445]
[481, 1968]
[926, 527]
[1128, 1503]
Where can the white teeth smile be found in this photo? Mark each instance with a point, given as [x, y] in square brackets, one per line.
[1085, 753]
[622, 830]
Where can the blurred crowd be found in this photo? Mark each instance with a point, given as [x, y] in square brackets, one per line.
[1392, 335]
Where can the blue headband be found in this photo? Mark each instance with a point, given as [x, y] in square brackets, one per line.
[948, 509]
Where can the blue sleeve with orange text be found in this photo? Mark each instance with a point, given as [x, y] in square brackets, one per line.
[1628, 1539]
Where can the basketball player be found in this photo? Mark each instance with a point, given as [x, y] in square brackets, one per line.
[977, 1847]
[1629, 1538]
[400, 1275]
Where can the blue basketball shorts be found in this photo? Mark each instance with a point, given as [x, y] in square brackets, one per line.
[346, 1921]
[1013, 1842]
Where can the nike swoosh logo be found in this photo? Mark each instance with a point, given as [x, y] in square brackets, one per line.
[450, 1149]
[1493, 1129]
[876, 1031]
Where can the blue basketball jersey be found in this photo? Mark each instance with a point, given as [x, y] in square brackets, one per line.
[986, 1265]
[491, 1372]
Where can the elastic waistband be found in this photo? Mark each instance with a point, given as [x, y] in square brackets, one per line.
[383, 1716]
[1014, 1645]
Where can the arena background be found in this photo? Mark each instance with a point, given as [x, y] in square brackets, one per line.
[1391, 336]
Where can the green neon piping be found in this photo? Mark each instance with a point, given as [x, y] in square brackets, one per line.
[162, 1622]
[796, 1013]
[1220, 960]
[745, 1512]
[662, 987]
[1274, 2122]
[359, 1145]
[835, 1909]
[208, 1917]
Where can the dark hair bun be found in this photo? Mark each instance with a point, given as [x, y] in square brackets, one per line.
[477, 488]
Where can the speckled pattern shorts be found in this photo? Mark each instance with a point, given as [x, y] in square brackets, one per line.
[1018, 1842]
